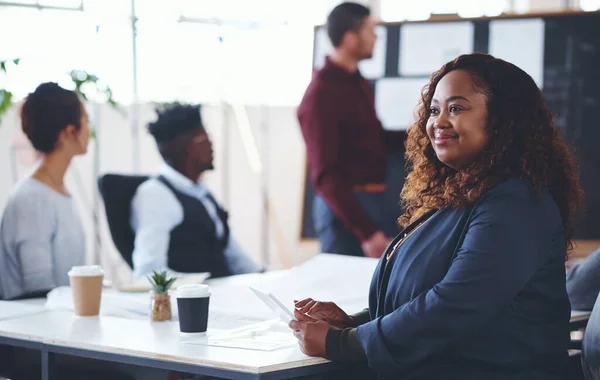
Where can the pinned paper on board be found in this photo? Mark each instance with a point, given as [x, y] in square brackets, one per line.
[372, 68]
[396, 100]
[520, 42]
[424, 48]
[322, 48]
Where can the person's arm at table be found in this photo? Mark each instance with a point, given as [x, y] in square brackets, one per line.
[340, 341]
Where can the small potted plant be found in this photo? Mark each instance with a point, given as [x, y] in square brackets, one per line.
[160, 304]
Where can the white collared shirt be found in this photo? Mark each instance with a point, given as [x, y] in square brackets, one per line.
[155, 212]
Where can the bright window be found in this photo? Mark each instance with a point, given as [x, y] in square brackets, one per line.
[253, 52]
[589, 5]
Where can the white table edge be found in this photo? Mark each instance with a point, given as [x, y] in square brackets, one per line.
[193, 362]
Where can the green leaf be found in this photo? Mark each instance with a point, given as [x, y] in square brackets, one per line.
[161, 282]
[3, 64]
[5, 101]
[169, 284]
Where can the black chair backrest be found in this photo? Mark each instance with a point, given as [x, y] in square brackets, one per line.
[117, 191]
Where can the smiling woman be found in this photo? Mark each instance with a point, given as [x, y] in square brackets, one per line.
[474, 286]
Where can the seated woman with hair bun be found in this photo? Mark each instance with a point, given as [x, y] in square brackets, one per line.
[41, 236]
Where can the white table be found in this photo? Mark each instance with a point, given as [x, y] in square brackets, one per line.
[159, 345]
[149, 344]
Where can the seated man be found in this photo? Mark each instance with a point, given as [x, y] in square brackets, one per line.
[178, 224]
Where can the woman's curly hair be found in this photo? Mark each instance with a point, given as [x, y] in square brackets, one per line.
[524, 142]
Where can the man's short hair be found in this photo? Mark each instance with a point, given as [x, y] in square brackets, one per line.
[345, 17]
[173, 121]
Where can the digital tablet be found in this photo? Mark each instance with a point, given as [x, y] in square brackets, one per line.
[274, 304]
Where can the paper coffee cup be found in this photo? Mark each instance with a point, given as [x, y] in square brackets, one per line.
[192, 307]
[86, 286]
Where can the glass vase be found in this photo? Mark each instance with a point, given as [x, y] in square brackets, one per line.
[160, 306]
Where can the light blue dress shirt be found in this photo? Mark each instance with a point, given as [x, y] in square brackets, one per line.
[155, 211]
[583, 282]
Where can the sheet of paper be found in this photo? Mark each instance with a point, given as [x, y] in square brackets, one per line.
[266, 342]
[263, 336]
[342, 279]
[520, 42]
[396, 100]
[15, 309]
[424, 48]
[372, 68]
[324, 277]
[322, 48]
[226, 321]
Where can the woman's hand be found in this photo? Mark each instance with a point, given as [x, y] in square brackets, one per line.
[327, 312]
[311, 335]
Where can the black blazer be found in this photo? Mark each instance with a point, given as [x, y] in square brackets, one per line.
[475, 292]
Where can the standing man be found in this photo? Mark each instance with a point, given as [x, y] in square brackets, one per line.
[357, 185]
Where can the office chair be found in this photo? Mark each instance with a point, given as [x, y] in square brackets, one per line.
[118, 190]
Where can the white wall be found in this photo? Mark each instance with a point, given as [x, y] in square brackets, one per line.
[279, 141]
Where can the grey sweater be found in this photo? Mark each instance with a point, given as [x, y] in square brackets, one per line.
[41, 238]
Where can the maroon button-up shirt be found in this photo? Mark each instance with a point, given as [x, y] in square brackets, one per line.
[345, 141]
